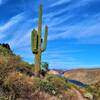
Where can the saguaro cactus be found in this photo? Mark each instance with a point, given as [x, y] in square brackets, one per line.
[36, 42]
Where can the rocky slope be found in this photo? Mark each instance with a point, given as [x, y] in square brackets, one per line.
[88, 76]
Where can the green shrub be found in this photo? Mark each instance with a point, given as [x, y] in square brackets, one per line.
[17, 84]
[4, 70]
[4, 98]
[4, 51]
[57, 81]
[36, 83]
[94, 90]
[48, 87]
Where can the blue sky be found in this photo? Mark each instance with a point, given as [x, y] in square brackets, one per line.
[74, 30]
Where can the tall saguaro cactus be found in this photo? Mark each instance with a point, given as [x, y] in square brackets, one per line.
[36, 42]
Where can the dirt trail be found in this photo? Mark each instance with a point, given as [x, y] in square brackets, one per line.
[79, 95]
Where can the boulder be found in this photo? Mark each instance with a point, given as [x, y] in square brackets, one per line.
[53, 72]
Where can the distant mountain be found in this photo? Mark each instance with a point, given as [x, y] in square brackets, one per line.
[88, 76]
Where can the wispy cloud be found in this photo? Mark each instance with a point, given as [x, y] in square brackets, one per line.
[0, 2]
[3, 1]
[69, 23]
[80, 30]
[6, 28]
[59, 2]
[25, 34]
[13, 21]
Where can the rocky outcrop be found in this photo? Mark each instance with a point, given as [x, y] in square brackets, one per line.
[88, 76]
[5, 49]
[53, 72]
[6, 45]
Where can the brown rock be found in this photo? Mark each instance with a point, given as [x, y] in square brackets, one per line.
[53, 72]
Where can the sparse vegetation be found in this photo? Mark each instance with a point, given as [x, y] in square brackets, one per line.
[5, 51]
[59, 82]
[94, 90]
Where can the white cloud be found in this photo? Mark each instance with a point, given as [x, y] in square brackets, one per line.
[24, 41]
[81, 30]
[14, 20]
[59, 2]
[70, 7]
[0, 2]
[3, 1]
[8, 29]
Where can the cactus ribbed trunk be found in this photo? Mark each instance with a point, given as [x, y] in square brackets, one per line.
[36, 43]
[37, 64]
[38, 55]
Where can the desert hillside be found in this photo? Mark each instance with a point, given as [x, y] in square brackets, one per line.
[87, 76]
[17, 82]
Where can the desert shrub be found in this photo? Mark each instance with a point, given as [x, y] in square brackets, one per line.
[15, 60]
[20, 85]
[11, 63]
[57, 81]
[8, 64]
[36, 83]
[89, 88]
[48, 87]
[4, 98]
[94, 90]
[44, 68]
[5, 51]
[4, 70]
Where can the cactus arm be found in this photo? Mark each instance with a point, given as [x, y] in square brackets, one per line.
[45, 39]
[34, 41]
